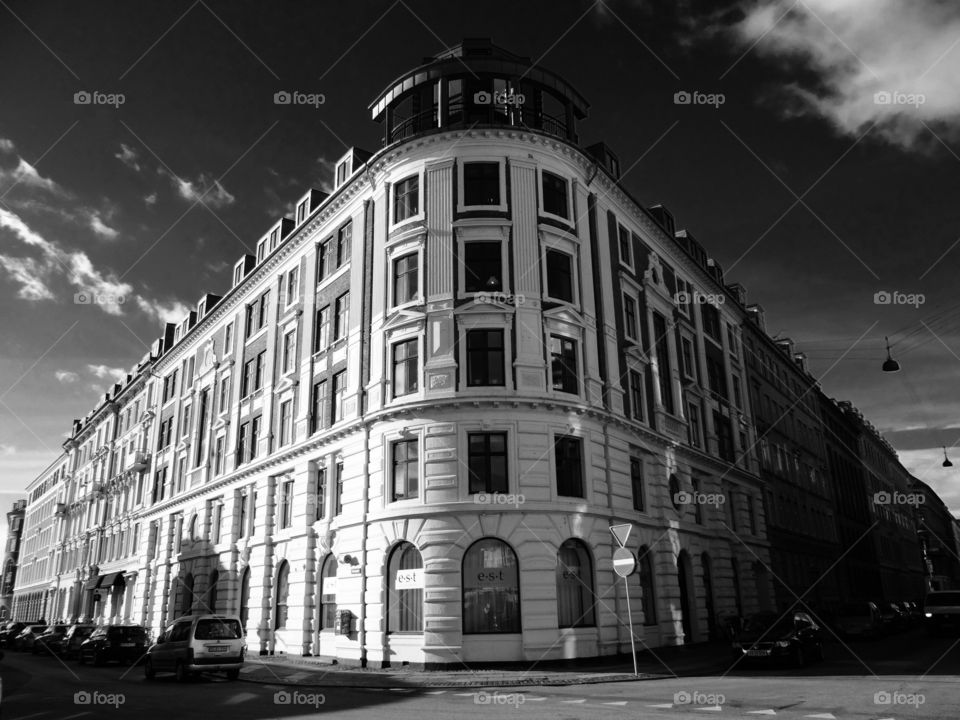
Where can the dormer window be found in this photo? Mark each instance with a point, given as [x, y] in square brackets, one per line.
[343, 171]
[274, 239]
[261, 250]
[302, 211]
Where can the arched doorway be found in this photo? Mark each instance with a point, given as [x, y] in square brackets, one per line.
[708, 596]
[687, 603]
[243, 611]
[326, 641]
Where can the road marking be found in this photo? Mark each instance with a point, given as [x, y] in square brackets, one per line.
[822, 716]
[621, 703]
[715, 708]
[662, 705]
[465, 694]
[24, 717]
[436, 692]
[70, 717]
[574, 702]
[403, 689]
[298, 676]
[761, 712]
[248, 669]
[534, 698]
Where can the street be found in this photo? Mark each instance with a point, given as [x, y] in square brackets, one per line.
[913, 677]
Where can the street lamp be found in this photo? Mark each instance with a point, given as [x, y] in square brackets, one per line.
[890, 365]
[946, 460]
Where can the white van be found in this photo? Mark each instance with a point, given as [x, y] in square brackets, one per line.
[198, 643]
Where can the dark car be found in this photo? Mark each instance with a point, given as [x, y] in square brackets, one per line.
[775, 638]
[68, 644]
[941, 611]
[892, 617]
[53, 634]
[119, 643]
[9, 632]
[859, 619]
[24, 641]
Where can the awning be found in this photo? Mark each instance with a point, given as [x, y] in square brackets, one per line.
[106, 581]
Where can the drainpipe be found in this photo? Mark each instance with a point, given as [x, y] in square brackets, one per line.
[363, 547]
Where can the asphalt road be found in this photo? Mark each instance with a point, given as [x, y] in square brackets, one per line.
[904, 677]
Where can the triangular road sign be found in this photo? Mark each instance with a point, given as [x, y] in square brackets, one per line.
[621, 533]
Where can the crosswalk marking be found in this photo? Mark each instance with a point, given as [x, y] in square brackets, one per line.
[714, 708]
[619, 702]
[822, 716]
[534, 698]
[662, 705]
[574, 702]
[297, 676]
[464, 694]
[436, 692]
[761, 712]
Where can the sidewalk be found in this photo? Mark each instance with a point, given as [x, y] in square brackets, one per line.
[659, 663]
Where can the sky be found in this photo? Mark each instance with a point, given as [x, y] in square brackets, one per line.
[818, 159]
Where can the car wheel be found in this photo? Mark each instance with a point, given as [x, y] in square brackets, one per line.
[148, 672]
[233, 674]
[181, 672]
[799, 658]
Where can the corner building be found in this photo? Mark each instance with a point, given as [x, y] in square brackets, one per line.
[402, 434]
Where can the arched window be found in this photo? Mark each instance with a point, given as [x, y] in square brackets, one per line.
[211, 601]
[708, 593]
[283, 593]
[735, 567]
[575, 607]
[193, 528]
[647, 586]
[186, 598]
[405, 589]
[244, 597]
[491, 588]
[328, 593]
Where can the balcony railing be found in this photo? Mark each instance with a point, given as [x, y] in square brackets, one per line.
[138, 460]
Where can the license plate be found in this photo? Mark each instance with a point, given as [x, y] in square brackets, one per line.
[757, 652]
[217, 648]
[127, 644]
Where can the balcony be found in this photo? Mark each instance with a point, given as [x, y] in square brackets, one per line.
[137, 461]
[61, 510]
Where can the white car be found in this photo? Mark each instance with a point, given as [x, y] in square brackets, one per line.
[198, 643]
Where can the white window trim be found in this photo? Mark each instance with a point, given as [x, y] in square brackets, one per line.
[228, 346]
[631, 333]
[487, 321]
[289, 328]
[569, 245]
[396, 251]
[285, 287]
[419, 217]
[694, 360]
[570, 209]
[261, 250]
[571, 333]
[629, 262]
[513, 477]
[502, 206]
[504, 263]
[640, 370]
[569, 431]
[402, 335]
[636, 454]
[389, 438]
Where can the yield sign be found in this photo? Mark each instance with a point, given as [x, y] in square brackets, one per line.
[621, 533]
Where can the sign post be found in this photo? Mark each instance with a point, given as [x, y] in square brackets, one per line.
[625, 564]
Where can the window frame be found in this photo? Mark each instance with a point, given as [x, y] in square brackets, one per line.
[413, 341]
[563, 337]
[558, 439]
[419, 214]
[462, 206]
[568, 184]
[393, 464]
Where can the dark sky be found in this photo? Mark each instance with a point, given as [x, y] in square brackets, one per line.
[805, 186]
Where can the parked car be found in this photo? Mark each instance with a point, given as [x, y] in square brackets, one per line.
[114, 643]
[941, 611]
[859, 619]
[69, 643]
[9, 631]
[54, 633]
[198, 643]
[24, 641]
[773, 637]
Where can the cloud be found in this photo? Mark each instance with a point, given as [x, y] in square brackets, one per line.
[129, 157]
[205, 189]
[100, 227]
[27, 273]
[857, 49]
[173, 311]
[6, 145]
[27, 175]
[151, 199]
[926, 465]
[7, 450]
[108, 373]
[66, 377]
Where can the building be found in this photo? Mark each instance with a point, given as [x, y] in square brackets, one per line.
[937, 540]
[11, 554]
[403, 432]
[34, 594]
[800, 502]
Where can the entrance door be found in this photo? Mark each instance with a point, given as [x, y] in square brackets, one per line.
[684, 577]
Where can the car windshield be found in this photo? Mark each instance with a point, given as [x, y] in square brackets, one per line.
[943, 598]
[763, 622]
[126, 634]
[215, 629]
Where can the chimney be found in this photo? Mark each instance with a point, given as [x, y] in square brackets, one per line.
[755, 312]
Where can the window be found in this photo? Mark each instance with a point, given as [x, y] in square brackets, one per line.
[663, 361]
[340, 321]
[328, 594]
[185, 422]
[286, 422]
[737, 397]
[301, 212]
[693, 424]
[405, 473]
[406, 199]
[646, 586]
[710, 317]
[242, 512]
[181, 475]
[575, 607]
[292, 286]
[636, 483]
[253, 374]
[166, 432]
[636, 394]
[697, 505]
[322, 265]
[491, 588]
[218, 457]
[568, 464]
[289, 351]
[186, 597]
[224, 394]
[487, 462]
[405, 279]
[339, 390]
[169, 386]
[338, 479]
[256, 314]
[321, 329]
[751, 515]
[228, 339]
[405, 367]
[216, 533]
[482, 267]
[485, 357]
[686, 358]
[202, 415]
[242, 442]
[405, 589]
[320, 494]
[563, 365]
[283, 595]
[481, 184]
[286, 504]
[319, 404]
[344, 244]
[724, 436]
[560, 275]
[555, 199]
[630, 317]
[244, 597]
[623, 245]
[210, 604]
